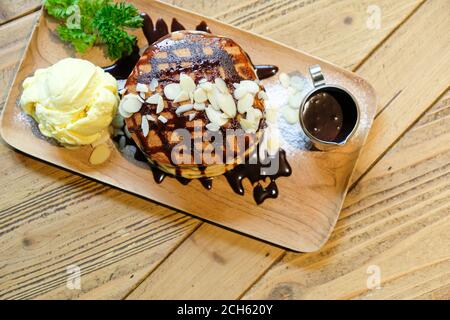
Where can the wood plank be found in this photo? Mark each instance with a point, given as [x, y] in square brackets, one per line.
[12, 9]
[51, 219]
[33, 192]
[397, 218]
[159, 284]
[406, 86]
[12, 48]
[334, 30]
[218, 268]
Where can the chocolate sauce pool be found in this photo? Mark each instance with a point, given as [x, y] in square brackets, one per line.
[322, 116]
[256, 173]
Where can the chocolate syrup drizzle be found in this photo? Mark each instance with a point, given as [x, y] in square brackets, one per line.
[255, 172]
[122, 68]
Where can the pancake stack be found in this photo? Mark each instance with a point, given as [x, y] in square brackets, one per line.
[194, 105]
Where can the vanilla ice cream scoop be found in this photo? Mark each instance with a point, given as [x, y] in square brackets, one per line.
[73, 101]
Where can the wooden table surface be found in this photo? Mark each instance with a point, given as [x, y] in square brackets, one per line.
[395, 224]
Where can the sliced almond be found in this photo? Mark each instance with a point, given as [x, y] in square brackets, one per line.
[247, 126]
[250, 86]
[240, 92]
[183, 108]
[290, 114]
[130, 103]
[172, 91]
[284, 79]
[145, 126]
[221, 85]
[153, 84]
[183, 96]
[245, 103]
[187, 83]
[215, 116]
[192, 116]
[203, 80]
[199, 106]
[207, 86]
[200, 95]
[162, 119]
[160, 106]
[212, 98]
[212, 126]
[226, 103]
[141, 87]
[154, 99]
[295, 100]
[100, 154]
[254, 115]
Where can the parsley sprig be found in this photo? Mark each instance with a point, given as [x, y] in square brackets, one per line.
[89, 22]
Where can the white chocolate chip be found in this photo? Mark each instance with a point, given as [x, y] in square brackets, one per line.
[150, 118]
[284, 79]
[297, 83]
[295, 100]
[290, 114]
[192, 116]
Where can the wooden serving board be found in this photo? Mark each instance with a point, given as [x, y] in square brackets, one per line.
[309, 201]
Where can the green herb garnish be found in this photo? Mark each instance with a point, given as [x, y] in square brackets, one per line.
[89, 22]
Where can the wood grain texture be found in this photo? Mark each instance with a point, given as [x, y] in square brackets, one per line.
[12, 9]
[397, 218]
[51, 219]
[224, 238]
[408, 73]
[12, 48]
[57, 219]
[320, 27]
[287, 221]
[27, 190]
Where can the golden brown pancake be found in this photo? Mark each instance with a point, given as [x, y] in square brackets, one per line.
[199, 55]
